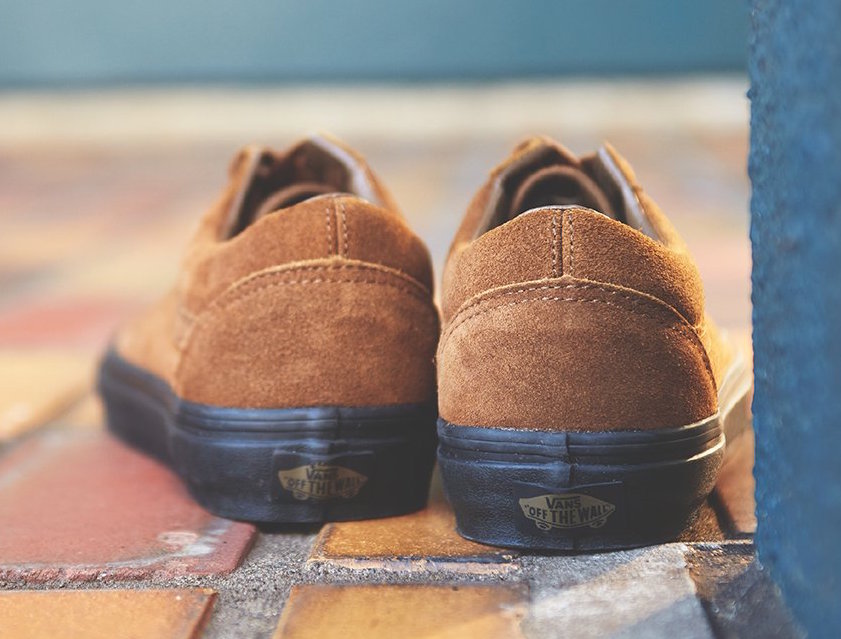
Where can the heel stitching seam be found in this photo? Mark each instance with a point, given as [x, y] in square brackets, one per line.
[341, 273]
[634, 305]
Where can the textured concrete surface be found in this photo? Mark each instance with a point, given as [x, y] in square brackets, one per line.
[740, 598]
[98, 194]
[795, 168]
[645, 592]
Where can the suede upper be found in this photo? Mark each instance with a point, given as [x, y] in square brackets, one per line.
[570, 303]
[303, 286]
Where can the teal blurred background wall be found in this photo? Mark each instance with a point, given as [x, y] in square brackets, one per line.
[92, 42]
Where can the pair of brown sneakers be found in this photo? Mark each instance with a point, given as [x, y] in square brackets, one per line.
[582, 397]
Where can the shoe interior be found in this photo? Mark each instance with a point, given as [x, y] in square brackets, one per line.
[317, 166]
[550, 175]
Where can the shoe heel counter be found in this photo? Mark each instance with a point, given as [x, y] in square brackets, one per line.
[553, 242]
[328, 332]
[370, 234]
[567, 354]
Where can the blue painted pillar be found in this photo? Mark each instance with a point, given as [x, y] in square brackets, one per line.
[795, 169]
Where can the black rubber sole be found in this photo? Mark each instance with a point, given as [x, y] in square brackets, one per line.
[287, 465]
[585, 490]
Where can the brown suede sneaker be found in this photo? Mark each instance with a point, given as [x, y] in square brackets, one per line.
[289, 375]
[585, 398]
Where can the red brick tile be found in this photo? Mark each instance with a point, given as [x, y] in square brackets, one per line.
[409, 542]
[420, 610]
[85, 323]
[80, 505]
[105, 614]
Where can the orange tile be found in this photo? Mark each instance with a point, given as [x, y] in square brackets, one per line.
[32, 245]
[104, 614]
[374, 611]
[141, 270]
[408, 542]
[85, 414]
[35, 386]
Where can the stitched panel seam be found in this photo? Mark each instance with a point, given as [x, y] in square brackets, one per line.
[357, 266]
[327, 216]
[318, 280]
[554, 245]
[344, 229]
[185, 314]
[246, 290]
[571, 244]
[184, 321]
[330, 273]
[681, 329]
[248, 287]
[638, 298]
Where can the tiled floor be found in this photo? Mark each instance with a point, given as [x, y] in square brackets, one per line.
[105, 614]
[98, 193]
[80, 506]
